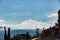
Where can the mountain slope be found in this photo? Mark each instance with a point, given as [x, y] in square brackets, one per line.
[32, 24]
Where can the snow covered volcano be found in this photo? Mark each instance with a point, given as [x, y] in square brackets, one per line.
[28, 24]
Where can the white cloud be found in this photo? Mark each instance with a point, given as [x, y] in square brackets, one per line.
[20, 14]
[52, 18]
[2, 21]
[53, 15]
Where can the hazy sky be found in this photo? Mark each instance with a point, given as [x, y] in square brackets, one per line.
[18, 10]
[15, 11]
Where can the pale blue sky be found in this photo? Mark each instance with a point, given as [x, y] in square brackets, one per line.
[15, 11]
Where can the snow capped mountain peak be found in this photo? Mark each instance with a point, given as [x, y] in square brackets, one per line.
[28, 24]
[32, 24]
